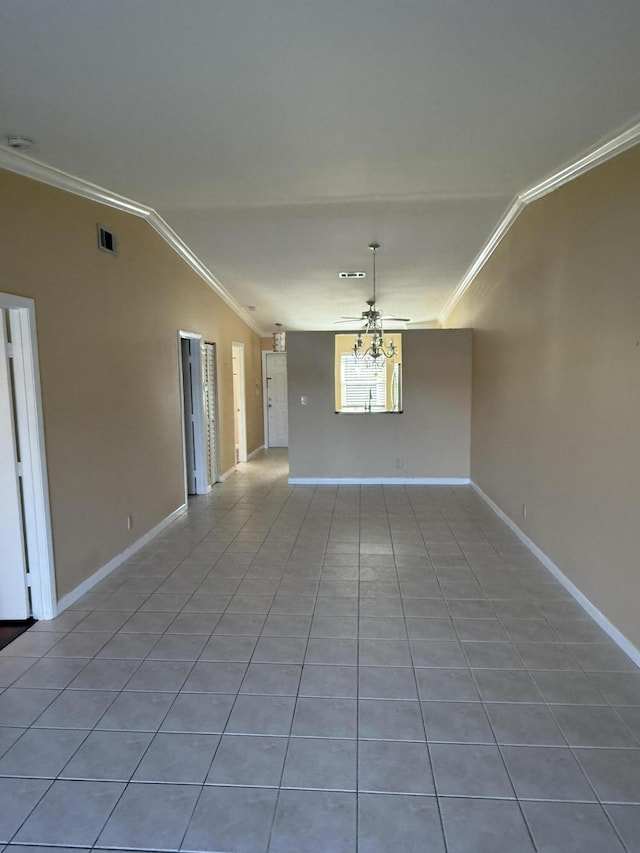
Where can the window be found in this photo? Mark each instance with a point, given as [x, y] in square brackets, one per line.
[365, 385]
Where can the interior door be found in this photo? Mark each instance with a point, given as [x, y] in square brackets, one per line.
[277, 400]
[14, 599]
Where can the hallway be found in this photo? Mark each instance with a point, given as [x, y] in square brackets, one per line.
[301, 669]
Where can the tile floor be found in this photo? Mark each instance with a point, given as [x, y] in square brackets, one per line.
[300, 670]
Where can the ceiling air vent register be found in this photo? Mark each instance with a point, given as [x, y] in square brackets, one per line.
[106, 240]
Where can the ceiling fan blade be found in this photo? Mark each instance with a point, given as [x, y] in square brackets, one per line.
[396, 319]
[348, 320]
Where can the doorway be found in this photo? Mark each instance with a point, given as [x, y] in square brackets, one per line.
[27, 581]
[196, 429]
[239, 402]
[276, 414]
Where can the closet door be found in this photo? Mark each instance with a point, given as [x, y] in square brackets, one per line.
[210, 410]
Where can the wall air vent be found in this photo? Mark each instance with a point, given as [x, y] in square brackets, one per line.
[106, 240]
[352, 275]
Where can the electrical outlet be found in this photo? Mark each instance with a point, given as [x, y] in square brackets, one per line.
[129, 522]
[399, 464]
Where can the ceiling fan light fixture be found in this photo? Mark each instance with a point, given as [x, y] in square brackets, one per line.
[279, 339]
[370, 342]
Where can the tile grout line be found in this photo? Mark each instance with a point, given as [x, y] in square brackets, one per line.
[224, 727]
[424, 724]
[568, 746]
[295, 705]
[456, 525]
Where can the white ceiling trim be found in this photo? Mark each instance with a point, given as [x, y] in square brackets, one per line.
[27, 166]
[485, 253]
[619, 143]
[30, 168]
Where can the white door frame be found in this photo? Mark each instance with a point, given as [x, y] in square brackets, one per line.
[237, 350]
[35, 484]
[14, 580]
[200, 449]
[265, 393]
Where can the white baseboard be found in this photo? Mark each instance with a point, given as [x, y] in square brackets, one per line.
[255, 452]
[378, 481]
[73, 596]
[617, 636]
[228, 473]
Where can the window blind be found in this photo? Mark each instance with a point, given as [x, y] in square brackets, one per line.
[363, 383]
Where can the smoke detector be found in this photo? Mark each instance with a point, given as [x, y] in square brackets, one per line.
[19, 143]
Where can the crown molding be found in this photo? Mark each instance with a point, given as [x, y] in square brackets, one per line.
[30, 168]
[483, 256]
[595, 157]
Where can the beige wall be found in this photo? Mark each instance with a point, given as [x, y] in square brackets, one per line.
[431, 435]
[107, 337]
[556, 382]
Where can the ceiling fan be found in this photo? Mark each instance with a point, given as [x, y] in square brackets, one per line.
[372, 318]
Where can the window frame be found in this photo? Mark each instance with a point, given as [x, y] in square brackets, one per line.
[392, 383]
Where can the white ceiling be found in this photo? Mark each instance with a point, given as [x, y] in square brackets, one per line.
[280, 137]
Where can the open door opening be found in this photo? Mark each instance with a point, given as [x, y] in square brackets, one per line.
[239, 403]
[194, 420]
[189, 415]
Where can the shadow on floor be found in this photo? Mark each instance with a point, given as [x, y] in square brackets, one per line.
[9, 631]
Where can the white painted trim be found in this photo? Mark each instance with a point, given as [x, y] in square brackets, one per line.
[595, 157]
[265, 410]
[178, 245]
[255, 452]
[516, 208]
[182, 418]
[240, 397]
[35, 478]
[617, 636]
[37, 171]
[378, 481]
[228, 473]
[14, 597]
[77, 593]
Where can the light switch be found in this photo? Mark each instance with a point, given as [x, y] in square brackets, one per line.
[303, 400]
